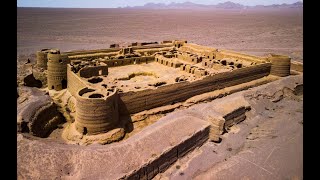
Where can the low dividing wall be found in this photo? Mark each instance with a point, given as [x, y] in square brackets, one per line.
[237, 55]
[168, 61]
[133, 102]
[88, 72]
[195, 48]
[152, 46]
[74, 82]
[92, 55]
[153, 50]
[127, 61]
[110, 50]
[74, 53]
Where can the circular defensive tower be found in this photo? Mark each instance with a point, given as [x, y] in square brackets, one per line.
[96, 111]
[280, 65]
[57, 70]
[42, 58]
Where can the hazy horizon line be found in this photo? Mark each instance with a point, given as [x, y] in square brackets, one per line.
[119, 7]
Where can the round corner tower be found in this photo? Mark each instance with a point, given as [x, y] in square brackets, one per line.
[96, 111]
[57, 70]
[280, 65]
[42, 58]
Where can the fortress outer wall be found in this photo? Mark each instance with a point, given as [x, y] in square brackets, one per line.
[133, 102]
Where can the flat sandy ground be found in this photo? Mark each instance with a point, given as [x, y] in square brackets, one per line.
[252, 31]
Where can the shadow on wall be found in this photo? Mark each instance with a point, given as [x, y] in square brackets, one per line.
[125, 118]
[64, 84]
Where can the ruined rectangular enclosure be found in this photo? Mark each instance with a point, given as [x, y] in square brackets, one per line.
[100, 91]
[108, 83]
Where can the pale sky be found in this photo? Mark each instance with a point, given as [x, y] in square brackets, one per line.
[123, 3]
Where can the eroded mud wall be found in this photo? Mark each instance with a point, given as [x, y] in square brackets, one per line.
[127, 61]
[133, 102]
[110, 50]
[88, 72]
[74, 82]
[296, 66]
[74, 53]
[240, 56]
[195, 48]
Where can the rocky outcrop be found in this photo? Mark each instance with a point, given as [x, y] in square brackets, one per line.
[31, 81]
[41, 75]
[31, 75]
[36, 113]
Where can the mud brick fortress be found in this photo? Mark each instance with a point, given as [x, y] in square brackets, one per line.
[141, 107]
[159, 74]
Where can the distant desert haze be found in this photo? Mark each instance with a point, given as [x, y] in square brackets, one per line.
[254, 31]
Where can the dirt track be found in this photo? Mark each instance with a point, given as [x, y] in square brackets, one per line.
[252, 31]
